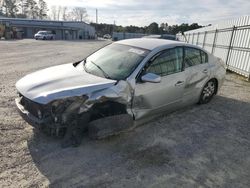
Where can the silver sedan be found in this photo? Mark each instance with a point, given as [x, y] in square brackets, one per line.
[119, 86]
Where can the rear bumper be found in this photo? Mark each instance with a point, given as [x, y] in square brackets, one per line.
[31, 119]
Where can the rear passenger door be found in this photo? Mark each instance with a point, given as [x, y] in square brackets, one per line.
[197, 71]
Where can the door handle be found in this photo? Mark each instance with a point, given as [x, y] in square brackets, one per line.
[205, 71]
[179, 83]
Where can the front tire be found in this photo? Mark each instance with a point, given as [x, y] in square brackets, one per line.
[109, 126]
[208, 91]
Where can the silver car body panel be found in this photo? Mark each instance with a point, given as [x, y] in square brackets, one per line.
[148, 97]
[120, 92]
[59, 82]
[141, 99]
[149, 43]
[154, 98]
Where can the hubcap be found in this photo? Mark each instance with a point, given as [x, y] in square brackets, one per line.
[208, 90]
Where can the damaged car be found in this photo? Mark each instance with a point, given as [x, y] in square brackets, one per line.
[118, 87]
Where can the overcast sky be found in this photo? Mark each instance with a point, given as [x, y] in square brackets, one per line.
[141, 13]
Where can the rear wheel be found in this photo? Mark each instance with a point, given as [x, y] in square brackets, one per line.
[208, 92]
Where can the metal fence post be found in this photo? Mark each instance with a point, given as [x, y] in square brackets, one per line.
[230, 44]
[215, 36]
[197, 41]
[204, 40]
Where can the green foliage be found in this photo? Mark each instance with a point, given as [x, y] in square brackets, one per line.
[102, 29]
[153, 28]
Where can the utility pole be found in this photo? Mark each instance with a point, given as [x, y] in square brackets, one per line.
[114, 26]
[96, 15]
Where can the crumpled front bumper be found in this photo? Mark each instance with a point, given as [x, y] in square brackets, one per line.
[30, 118]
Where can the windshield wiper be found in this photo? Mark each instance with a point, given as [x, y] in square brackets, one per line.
[103, 72]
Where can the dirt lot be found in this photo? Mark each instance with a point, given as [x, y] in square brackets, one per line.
[200, 146]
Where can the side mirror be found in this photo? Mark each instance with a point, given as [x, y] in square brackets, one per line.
[151, 77]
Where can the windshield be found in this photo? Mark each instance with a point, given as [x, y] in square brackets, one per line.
[42, 32]
[115, 61]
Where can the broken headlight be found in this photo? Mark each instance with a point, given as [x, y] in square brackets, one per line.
[63, 109]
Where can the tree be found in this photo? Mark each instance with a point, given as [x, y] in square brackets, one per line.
[21, 7]
[152, 28]
[79, 14]
[57, 12]
[164, 27]
[53, 10]
[59, 8]
[194, 26]
[31, 9]
[24, 8]
[9, 8]
[42, 9]
[1, 8]
[64, 13]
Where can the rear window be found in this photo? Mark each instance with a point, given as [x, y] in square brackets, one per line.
[194, 57]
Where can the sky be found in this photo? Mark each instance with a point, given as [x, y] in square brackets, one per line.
[142, 13]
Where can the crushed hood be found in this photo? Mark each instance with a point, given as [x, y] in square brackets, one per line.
[60, 81]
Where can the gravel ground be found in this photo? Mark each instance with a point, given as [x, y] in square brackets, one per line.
[199, 146]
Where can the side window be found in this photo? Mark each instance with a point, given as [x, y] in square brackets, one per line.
[169, 62]
[194, 57]
[204, 57]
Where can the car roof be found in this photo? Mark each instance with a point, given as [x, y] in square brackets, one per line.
[149, 43]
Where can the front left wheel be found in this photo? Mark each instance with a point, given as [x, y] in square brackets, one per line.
[209, 90]
[109, 126]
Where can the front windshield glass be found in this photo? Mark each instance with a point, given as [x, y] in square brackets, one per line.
[42, 32]
[115, 61]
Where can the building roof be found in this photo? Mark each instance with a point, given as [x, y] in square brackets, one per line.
[148, 43]
[38, 20]
[23, 22]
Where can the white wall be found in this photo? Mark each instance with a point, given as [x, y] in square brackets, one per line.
[228, 40]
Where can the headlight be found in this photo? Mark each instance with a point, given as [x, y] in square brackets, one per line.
[63, 108]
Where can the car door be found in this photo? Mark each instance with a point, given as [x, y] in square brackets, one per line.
[156, 98]
[197, 71]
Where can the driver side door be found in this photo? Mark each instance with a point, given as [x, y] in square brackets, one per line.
[156, 98]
